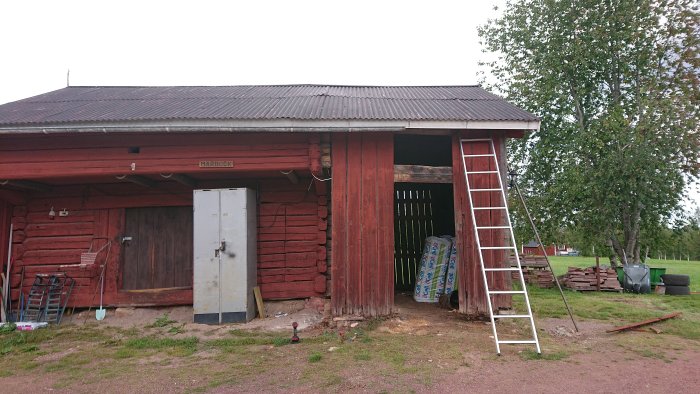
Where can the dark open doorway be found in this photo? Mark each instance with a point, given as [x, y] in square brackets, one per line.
[420, 209]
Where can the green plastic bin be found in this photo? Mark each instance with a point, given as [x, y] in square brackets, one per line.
[654, 275]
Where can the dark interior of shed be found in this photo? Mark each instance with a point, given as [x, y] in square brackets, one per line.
[420, 209]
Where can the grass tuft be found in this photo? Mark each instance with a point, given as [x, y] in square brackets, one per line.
[315, 357]
[533, 355]
[162, 321]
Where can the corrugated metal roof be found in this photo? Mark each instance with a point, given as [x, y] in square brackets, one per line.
[297, 102]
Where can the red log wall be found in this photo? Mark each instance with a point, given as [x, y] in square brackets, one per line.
[291, 235]
[363, 224]
[292, 219]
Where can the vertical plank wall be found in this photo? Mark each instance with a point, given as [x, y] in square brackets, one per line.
[362, 224]
[473, 301]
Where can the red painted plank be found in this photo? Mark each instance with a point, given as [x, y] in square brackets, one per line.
[354, 224]
[385, 246]
[339, 234]
[368, 216]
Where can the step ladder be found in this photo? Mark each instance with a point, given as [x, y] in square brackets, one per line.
[58, 292]
[36, 300]
[483, 178]
[48, 297]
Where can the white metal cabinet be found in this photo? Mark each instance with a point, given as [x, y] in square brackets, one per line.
[225, 255]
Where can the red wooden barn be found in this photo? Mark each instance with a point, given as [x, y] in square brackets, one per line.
[349, 181]
[533, 248]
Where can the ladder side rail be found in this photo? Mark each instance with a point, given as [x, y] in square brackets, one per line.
[478, 247]
[517, 257]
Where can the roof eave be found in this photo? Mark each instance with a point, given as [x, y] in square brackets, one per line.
[280, 125]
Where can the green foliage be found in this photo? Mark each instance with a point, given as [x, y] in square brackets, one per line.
[616, 86]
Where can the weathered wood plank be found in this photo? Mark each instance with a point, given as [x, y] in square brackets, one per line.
[422, 174]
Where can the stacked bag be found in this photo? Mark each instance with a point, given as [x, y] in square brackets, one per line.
[437, 273]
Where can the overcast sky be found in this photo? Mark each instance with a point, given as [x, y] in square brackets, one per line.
[228, 43]
[150, 42]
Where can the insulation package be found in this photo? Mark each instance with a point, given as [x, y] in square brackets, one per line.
[430, 281]
[451, 277]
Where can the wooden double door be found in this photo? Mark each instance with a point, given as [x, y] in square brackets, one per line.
[158, 254]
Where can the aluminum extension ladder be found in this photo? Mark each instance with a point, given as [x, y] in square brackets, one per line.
[490, 173]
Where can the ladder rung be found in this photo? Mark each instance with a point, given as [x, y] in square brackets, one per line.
[506, 292]
[487, 208]
[482, 172]
[498, 247]
[475, 139]
[481, 155]
[492, 227]
[509, 316]
[485, 190]
[502, 269]
[530, 341]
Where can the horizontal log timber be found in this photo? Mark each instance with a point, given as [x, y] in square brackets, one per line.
[183, 152]
[144, 167]
[153, 140]
[422, 174]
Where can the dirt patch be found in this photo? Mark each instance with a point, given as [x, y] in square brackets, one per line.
[281, 315]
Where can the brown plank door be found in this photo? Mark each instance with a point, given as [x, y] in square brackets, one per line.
[159, 253]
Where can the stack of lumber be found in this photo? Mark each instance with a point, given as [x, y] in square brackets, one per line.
[539, 277]
[535, 271]
[584, 279]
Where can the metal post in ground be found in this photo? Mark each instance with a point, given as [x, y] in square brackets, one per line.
[597, 273]
[544, 252]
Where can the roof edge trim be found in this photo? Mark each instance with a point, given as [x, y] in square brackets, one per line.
[280, 125]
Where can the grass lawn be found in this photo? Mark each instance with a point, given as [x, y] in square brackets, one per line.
[683, 267]
[622, 308]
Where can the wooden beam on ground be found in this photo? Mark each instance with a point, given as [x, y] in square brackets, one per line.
[139, 180]
[259, 302]
[29, 185]
[644, 323]
[422, 174]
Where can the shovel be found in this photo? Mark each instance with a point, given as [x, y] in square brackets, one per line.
[100, 313]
